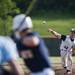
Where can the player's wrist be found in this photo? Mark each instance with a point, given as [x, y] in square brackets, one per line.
[52, 31]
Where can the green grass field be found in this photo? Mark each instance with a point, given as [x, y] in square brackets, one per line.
[61, 22]
[58, 59]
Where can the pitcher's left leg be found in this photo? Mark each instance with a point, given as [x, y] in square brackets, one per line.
[69, 63]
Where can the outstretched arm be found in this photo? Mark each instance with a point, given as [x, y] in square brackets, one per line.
[54, 33]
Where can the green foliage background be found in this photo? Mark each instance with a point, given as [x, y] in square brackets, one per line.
[59, 14]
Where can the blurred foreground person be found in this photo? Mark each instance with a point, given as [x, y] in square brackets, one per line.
[32, 48]
[67, 44]
[9, 54]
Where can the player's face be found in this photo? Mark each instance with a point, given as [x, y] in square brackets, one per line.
[73, 34]
[24, 32]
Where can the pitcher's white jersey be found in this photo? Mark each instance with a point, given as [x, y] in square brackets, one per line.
[67, 43]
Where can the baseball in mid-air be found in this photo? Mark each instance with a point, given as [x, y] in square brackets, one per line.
[44, 22]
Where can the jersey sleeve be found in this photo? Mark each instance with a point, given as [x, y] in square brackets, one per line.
[44, 51]
[63, 37]
[10, 51]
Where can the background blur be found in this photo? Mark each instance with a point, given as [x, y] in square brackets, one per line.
[59, 15]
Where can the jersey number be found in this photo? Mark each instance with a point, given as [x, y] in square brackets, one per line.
[66, 47]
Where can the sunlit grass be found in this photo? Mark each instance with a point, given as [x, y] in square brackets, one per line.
[58, 59]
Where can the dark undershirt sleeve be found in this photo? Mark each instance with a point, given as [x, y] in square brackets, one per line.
[63, 37]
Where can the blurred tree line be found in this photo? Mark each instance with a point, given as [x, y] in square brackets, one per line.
[57, 4]
[62, 5]
[11, 7]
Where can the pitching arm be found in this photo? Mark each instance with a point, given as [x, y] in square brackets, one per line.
[55, 33]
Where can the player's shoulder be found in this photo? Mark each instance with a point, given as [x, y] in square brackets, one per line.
[68, 36]
[9, 39]
[3, 39]
[33, 34]
[36, 33]
[6, 40]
